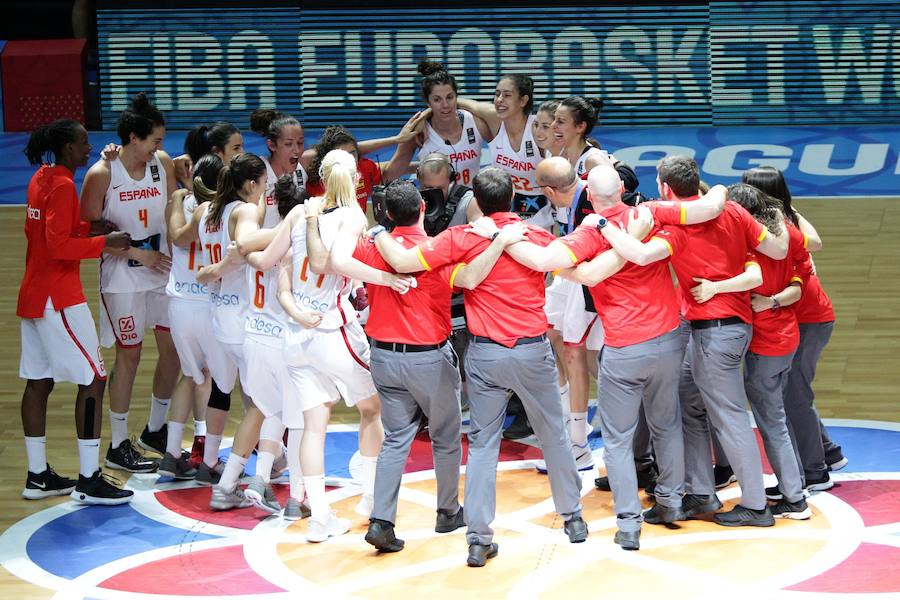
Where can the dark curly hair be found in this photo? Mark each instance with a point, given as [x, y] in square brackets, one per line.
[139, 118]
[333, 137]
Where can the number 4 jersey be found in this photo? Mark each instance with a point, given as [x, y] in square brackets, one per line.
[137, 207]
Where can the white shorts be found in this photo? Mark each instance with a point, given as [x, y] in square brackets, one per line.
[266, 374]
[61, 345]
[565, 311]
[235, 355]
[198, 351]
[125, 315]
[322, 362]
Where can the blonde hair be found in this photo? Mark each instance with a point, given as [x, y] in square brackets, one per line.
[337, 172]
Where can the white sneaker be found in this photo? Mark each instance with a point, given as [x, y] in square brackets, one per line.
[222, 499]
[584, 460]
[319, 531]
[365, 506]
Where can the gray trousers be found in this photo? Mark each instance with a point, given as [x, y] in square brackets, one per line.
[765, 378]
[712, 386]
[407, 383]
[646, 372]
[643, 445]
[805, 426]
[530, 371]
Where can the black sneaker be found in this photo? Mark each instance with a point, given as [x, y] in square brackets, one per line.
[799, 511]
[127, 458]
[576, 529]
[693, 505]
[98, 489]
[381, 535]
[154, 441]
[646, 480]
[773, 493]
[177, 468]
[724, 476]
[519, 428]
[659, 514]
[741, 516]
[445, 523]
[46, 484]
[820, 483]
[835, 460]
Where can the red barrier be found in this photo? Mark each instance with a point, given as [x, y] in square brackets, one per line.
[43, 80]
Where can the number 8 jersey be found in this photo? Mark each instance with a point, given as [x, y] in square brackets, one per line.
[138, 208]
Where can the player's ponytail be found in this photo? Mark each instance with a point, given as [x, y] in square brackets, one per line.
[242, 168]
[288, 194]
[338, 171]
[49, 140]
[206, 177]
[205, 139]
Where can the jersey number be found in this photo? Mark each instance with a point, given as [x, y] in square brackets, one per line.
[192, 258]
[319, 280]
[465, 176]
[215, 252]
[521, 184]
[142, 217]
[259, 294]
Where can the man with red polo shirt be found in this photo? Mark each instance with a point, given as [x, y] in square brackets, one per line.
[413, 366]
[719, 336]
[643, 351]
[509, 350]
[59, 342]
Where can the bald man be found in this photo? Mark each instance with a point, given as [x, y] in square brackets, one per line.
[642, 354]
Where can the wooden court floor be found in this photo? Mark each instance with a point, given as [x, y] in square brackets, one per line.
[859, 375]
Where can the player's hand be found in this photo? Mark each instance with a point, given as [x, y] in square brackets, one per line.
[102, 227]
[641, 224]
[314, 206]
[603, 158]
[118, 240]
[309, 319]
[184, 171]
[110, 151]
[233, 256]
[411, 128]
[512, 233]
[590, 220]
[761, 303]
[483, 226]
[152, 259]
[704, 291]
[401, 283]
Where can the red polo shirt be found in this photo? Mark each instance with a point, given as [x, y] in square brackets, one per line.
[369, 177]
[814, 305]
[509, 303]
[57, 242]
[714, 250]
[637, 303]
[422, 315]
[775, 332]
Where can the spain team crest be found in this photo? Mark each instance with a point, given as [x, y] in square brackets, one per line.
[168, 544]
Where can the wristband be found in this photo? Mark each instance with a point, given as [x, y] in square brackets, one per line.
[775, 303]
[373, 233]
[494, 235]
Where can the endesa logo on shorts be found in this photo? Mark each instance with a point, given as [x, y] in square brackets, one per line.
[262, 326]
[126, 329]
[225, 299]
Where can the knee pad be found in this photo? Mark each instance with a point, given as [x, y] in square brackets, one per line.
[218, 398]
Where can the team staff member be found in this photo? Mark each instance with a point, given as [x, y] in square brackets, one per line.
[414, 368]
[720, 334]
[775, 339]
[132, 191]
[59, 342]
[509, 350]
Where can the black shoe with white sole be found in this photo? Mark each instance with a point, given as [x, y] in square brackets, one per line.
[773, 493]
[724, 476]
[154, 441]
[798, 511]
[46, 484]
[741, 516]
[177, 468]
[820, 483]
[127, 458]
[97, 489]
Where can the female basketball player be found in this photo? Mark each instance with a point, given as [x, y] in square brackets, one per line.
[132, 191]
[221, 138]
[284, 139]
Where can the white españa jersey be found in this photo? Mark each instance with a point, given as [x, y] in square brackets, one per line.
[229, 297]
[185, 264]
[265, 318]
[521, 164]
[580, 167]
[328, 294]
[272, 217]
[137, 208]
[464, 154]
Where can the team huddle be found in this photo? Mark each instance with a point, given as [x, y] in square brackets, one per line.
[510, 283]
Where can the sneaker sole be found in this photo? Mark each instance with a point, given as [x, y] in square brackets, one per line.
[32, 494]
[94, 500]
[820, 487]
[119, 467]
[774, 496]
[796, 516]
[703, 509]
[580, 469]
[174, 475]
[755, 523]
[259, 502]
[228, 506]
[731, 480]
[838, 465]
[488, 556]
[149, 448]
[318, 540]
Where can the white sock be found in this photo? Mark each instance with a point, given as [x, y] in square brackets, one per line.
[564, 398]
[36, 449]
[199, 428]
[298, 490]
[159, 410]
[173, 442]
[233, 469]
[577, 430]
[368, 475]
[264, 462]
[88, 457]
[315, 491]
[211, 449]
[118, 427]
